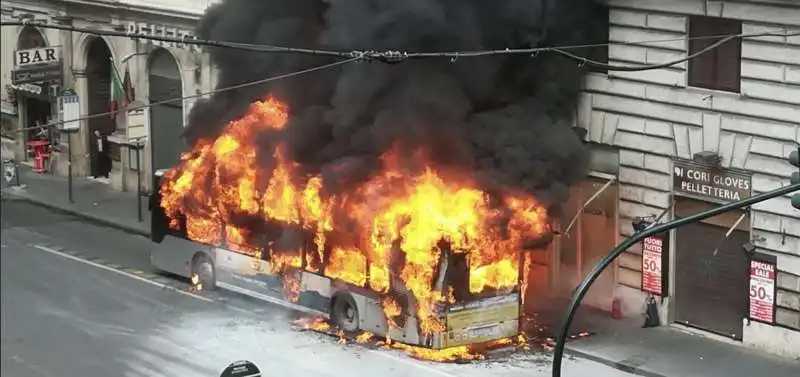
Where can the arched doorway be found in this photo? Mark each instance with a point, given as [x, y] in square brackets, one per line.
[98, 97]
[166, 120]
[34, 102]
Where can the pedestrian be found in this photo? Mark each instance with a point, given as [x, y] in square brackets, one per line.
[102, 158]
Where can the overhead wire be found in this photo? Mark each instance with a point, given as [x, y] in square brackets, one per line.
[396, 56]
[392, 56]
[399, 56]
[202, 94]
[187, 40]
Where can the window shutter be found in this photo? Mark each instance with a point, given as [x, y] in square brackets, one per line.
[701, 68]
[729, 57]
[720, 68]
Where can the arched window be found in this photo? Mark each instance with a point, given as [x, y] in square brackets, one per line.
[29, 38]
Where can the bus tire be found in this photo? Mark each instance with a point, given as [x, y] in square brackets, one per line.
[204, 268]
[344, 313]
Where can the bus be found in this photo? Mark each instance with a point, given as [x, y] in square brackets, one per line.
[466, 318]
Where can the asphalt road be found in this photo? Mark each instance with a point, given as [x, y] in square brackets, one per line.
[63, 316]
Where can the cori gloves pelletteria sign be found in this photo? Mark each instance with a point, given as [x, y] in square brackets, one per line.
[710, 182]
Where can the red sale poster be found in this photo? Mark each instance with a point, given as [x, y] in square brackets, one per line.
[652, 271]
[762, 291]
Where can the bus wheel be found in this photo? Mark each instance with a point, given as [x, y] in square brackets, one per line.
[203, 268]
[344, 313]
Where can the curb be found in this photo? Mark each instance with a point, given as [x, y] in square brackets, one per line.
[91, 218]
[619, 365]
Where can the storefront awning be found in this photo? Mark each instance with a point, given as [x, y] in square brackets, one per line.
[28, 88]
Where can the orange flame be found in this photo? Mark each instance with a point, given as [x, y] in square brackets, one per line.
[460, 353]
[394, 212]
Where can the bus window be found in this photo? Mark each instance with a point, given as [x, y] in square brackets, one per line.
[246, 235]
[159, 222]
[457, 277]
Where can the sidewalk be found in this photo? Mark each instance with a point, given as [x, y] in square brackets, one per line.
[654, 352]
[92, 200]
[669, 352]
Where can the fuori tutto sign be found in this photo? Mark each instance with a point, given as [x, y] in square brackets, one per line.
[695, 179]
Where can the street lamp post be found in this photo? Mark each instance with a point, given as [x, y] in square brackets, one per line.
[580, 292]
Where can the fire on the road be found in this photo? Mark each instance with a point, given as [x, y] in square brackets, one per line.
[461, 353]
[195, 284]
[393, 222]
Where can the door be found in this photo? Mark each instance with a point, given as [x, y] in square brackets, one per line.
[592, 237]
[166, 123]
[711, 290]
[598, 237]
[166, 117]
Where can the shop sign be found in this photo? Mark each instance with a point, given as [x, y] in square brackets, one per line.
[69, 112]
[138, 123]
[155, 30]
[762, 290]
[694, 179]
[37, 56]
[36, 75]
[36, 65]
[655, 250]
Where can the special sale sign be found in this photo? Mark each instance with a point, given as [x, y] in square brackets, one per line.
[762, 291]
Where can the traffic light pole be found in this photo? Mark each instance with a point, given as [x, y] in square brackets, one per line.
[580, 292]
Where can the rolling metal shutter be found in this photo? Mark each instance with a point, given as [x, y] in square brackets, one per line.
[711, 291]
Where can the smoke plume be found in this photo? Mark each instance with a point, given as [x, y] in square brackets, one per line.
[504, 119]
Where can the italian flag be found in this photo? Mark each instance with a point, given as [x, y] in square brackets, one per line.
[117, 91]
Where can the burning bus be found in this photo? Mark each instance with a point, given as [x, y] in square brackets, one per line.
[420, 256]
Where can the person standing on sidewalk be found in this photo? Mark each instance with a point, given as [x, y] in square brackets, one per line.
[101, 165]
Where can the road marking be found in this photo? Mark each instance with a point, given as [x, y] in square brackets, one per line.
[273, 300]
[123, 273]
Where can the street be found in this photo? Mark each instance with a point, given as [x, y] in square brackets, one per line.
[66, 314]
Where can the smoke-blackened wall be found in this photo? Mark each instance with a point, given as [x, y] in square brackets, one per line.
[506, 119]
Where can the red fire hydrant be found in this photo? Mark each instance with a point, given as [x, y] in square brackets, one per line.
[616, 308]
[40, 154]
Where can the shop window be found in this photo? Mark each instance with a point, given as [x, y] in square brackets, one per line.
[30, 38]
[720, 68]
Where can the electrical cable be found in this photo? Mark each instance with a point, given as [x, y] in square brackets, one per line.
[202, 94]
[392, 56]
[586, 61]
[188, 41]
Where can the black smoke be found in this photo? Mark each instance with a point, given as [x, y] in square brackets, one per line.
[505, 119]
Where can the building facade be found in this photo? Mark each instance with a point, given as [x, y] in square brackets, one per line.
[686, 138]
[159, 72]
